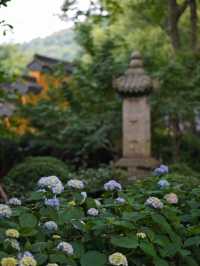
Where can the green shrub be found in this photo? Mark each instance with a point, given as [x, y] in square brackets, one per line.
[23, 176]
[165, 236]
[96, 177]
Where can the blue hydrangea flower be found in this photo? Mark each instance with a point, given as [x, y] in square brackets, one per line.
[163, 183]
[162, 170]
[51, 226]
[25, 254]
[112, 185]
[54, 202]
[120, 200]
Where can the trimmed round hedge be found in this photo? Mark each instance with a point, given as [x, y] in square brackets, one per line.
[22, 177]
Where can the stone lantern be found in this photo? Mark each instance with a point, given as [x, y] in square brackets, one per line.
[135, 87]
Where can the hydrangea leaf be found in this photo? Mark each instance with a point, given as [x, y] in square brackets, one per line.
[92, 258]
[125, 242]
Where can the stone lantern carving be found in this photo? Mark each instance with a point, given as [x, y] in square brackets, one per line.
[135, 87]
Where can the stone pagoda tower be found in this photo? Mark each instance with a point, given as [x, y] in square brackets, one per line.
[135, 87]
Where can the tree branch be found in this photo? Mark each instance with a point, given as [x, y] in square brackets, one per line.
[181, 8]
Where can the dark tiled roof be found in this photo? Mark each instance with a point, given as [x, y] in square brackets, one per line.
[43, 64]
[22, 86]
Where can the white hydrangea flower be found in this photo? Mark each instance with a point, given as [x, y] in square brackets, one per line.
[118, 259]
[13, 243]
[93, 212]
[75, 183]
[154, 202]
[141, 235]
[65, 247]
[51, 182]
[14, 202]
[5, 211]
[52, 264]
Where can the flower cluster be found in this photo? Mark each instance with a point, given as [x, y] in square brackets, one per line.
[12, 233]
[118, 259]
[5, 211]
[93, 212]
[141, 235]
[154, 203]
[75, 183]
[51, 182]
[65, 247]
[15, 202]
[171, 198]
[54, 202]
[120, 200]
[112, 185]
[9, 261]
[163, 183]
[161, 170]
[27, 259]
[13, 243]
[51, 226]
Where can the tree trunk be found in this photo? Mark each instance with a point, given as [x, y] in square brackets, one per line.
[194, 22]
[3, 195]
[173, 24]
[175, 12]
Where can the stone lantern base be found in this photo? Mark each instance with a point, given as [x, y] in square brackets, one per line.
[138, 167]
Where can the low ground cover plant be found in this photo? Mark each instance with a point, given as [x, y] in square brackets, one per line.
[151, 222]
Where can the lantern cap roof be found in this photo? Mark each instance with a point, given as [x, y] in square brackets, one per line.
[135, 82]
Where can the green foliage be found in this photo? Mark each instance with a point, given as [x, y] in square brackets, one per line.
[30, 169]
[10, 154]
[170, 236]
[96, 177]
[60, 45]
[13, 60]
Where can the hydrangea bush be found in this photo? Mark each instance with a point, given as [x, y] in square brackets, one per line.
[148, 223]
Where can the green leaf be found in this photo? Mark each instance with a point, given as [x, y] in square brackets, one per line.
[92, 258]
[192, 241]
[125, 242]
[58, 258]
[73, 213]
[191, 261]
[3, 254]
[27, 220]
[160, 262]
[39, 247]
[78, 249]
[28, 232]
[148, 249]
[163, 224]
[41, 258]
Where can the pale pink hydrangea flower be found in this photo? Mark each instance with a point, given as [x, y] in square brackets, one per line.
[171, 198]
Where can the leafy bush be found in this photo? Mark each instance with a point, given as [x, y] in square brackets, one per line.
[86, 231]
[24, 175]
[10, 153]
[96, 177]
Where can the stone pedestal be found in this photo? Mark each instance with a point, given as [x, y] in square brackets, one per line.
[135, 87]
[136, 127]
